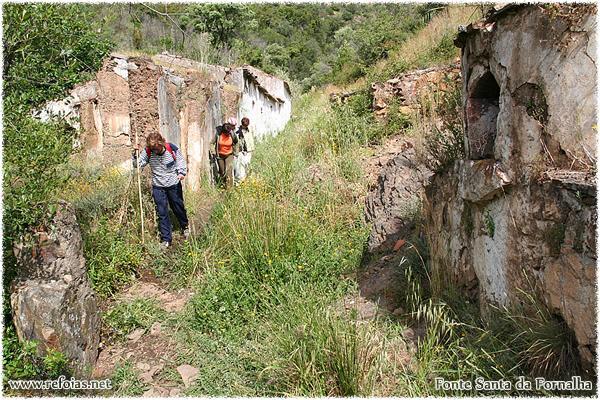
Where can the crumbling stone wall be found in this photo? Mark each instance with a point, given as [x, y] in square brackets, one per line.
[183, 99]
[407, 89]
[520, 212]
[143, 101]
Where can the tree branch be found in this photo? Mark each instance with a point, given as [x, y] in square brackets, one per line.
[171, 18]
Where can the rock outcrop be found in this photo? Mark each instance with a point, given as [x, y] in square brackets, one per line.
[407, 89]
[396, 197]
[183, 99]
[52, 300]
[519, 214]
[401, 174]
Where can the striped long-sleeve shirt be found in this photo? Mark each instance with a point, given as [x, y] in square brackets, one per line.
[164, 168]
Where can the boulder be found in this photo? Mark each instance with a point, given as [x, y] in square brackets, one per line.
[51, 298]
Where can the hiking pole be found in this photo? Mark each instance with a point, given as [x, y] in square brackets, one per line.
[137, 164]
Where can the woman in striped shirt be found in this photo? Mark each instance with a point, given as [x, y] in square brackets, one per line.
[168, 170]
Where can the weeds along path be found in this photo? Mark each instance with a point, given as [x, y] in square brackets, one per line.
[263, 300]
[266, 296]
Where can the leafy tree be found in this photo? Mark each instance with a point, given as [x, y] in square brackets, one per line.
[275, 56]
[222, 21]
[348, 65]
[47, 49]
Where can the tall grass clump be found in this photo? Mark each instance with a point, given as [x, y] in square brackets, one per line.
[458, 341]
[544, 344]
[291, 232]
[429, 46]
[316, 352]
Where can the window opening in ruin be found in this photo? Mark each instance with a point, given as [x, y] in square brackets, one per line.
[482, 114]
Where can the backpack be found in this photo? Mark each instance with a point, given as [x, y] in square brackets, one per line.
[241, 139]
[171, 148]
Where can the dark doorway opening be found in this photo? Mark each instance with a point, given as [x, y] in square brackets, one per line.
[482, 114]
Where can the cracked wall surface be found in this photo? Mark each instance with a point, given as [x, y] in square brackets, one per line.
[520, 212]
[182, 99]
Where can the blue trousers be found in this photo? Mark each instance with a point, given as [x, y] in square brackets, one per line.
[163, 198]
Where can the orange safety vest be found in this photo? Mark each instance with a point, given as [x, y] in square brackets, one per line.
[225, 144]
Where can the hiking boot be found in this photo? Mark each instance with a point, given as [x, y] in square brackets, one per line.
[164, 245]
[186, 233]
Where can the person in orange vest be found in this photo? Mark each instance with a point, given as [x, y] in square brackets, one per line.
[223, 145]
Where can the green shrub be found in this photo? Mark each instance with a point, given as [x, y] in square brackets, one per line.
[21, 360]
[348, 129]
[96, 192]
[361, 103]
[111, 258]
[397, 121]
[349, 169]
[444, 148]
[32, 153]
[138, 313]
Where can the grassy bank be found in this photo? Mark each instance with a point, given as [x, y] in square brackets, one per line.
[271, 268]
[278, 252]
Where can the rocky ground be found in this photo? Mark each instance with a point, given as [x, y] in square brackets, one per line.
[152, 352]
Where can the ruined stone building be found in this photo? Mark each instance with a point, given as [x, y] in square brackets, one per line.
[183, 99]
[519, 213]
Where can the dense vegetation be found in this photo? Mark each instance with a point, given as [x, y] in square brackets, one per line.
[47, 49]
[273, 263]
[310, 43]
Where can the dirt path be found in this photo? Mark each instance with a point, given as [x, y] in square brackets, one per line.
[152, 351]
[153, 354]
